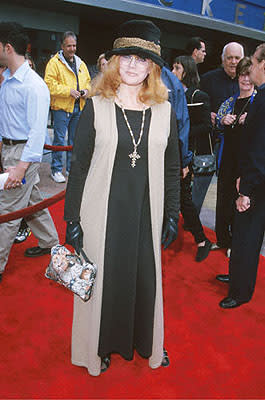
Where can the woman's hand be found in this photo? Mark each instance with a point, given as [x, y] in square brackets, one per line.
[74, 235]
[228, 119]
[241, 120]
[170, 232]
[213, 118]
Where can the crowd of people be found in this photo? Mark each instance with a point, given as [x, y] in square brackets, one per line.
[135, 128]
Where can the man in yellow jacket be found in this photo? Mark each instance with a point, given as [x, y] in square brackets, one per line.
[68, 80]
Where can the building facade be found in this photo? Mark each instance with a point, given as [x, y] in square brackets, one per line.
[94, 21]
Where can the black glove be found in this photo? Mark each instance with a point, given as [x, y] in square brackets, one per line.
[170, 232]
[74, 235]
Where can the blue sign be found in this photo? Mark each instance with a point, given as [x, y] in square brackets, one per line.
[249, 13]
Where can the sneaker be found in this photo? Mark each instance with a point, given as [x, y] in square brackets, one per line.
[22, 235]
[58, 177]
[215, 246]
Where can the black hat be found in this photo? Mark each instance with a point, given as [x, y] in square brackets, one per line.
[139, 37]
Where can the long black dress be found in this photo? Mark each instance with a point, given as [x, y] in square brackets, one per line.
[127, 314]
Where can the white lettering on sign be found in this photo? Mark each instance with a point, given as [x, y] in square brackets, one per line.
[206, 9]
[239, 13]
[167, 3]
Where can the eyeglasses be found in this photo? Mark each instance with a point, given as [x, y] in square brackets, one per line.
[126, 60]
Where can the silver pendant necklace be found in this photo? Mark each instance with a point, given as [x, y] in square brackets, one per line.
[134, 155]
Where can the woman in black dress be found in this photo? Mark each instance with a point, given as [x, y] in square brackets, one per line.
[230, 118]
[123, 188]
[185, 69]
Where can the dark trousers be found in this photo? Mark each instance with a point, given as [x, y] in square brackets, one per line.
[248, 232]
[225, 207]
[189, 212]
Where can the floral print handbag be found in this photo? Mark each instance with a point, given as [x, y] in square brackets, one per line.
[70, 271]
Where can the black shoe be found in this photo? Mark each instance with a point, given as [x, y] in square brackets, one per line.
[22, 235]
[223, 278]
[37, 251]
[203, 251]
[165, 361]
[105, 363]
[229, 302]
[1, 277]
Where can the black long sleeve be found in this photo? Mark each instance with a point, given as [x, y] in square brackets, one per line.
[81, 158]
[172, 171]
[200, 121]
[252, 149]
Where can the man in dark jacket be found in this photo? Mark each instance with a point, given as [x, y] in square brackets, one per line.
[249, 223]
[195, 48]
[219, 84]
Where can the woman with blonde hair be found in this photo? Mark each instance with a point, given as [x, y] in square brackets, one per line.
[122, 200]
[101, 62]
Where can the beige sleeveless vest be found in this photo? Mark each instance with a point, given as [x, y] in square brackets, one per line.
[86, 321]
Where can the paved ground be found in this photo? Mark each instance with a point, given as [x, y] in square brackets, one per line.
[49, 188]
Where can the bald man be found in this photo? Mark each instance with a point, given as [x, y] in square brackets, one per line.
[219, 84]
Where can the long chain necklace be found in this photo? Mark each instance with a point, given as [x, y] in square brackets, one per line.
[134, 155]
[241, 112]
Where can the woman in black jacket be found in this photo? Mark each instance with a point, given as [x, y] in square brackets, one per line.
[185, 69]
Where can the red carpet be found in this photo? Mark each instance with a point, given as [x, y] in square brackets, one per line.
[214, 353]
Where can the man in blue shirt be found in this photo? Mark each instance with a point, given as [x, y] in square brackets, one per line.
[24, 99]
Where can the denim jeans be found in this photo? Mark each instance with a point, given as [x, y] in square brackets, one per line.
[62, 122]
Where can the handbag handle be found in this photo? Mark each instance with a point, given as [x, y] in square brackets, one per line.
[193, 94]
[210, 142]
[85, 257]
